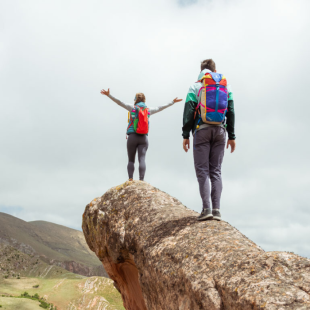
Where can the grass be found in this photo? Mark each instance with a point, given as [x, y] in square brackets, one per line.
[62, 292]
[10, 303]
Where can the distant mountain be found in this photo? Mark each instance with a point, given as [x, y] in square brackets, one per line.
[51, 243]
[15, 264]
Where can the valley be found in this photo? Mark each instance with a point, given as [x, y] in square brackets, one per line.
[54, 263]
[66, 294]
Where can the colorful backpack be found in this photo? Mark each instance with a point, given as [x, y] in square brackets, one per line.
[139, 118]
[213, 98]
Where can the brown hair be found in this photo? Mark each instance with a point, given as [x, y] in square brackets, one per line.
[208, 64]
[139, 98]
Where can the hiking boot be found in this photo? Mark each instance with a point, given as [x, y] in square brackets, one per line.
[216, 214]
[206, 214]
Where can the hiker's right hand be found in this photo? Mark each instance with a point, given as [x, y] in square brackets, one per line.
[232, 144]
[105, 92]
[186, 145]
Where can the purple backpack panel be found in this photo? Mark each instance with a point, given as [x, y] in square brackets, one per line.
[214, 98]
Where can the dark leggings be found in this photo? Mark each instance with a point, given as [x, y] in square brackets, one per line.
[141, 143]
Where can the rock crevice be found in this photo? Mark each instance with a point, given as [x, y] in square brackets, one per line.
[161, 257]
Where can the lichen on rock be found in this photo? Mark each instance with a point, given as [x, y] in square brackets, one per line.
[161, 257]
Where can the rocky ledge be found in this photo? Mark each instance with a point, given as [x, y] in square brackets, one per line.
[161, 257]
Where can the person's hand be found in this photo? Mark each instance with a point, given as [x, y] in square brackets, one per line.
[186, 145]
[105, 92]
[232, 144]
[176, 100]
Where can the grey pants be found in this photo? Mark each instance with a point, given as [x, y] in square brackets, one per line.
[209, 146]
[141, 143]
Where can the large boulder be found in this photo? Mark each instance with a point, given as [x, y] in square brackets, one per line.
[161, 257]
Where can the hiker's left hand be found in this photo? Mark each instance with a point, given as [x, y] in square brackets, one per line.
[232, 144]
[105, 92]
[176, 100]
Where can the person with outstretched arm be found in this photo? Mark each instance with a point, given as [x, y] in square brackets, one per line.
[137, 129]
[209, 113]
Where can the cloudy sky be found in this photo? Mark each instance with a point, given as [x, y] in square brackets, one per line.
[60, 145]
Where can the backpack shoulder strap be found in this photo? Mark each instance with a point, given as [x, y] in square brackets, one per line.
[130, 120]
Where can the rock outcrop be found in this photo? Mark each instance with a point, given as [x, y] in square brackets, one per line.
[161, 257]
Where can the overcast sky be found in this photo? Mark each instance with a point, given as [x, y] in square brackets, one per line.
[60, 145]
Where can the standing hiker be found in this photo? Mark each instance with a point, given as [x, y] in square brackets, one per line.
[208, 113]
[137, 129]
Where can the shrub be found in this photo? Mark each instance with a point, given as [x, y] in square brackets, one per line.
[25, 294]
[36, 286]
[36, 296]
[44, 305]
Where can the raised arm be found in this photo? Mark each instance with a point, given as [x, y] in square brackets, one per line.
[162, 107]
[128, 107]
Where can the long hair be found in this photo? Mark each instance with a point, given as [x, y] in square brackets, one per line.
[139, 98]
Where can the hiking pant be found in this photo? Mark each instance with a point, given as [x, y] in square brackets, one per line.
[137, 142]
[209, 146]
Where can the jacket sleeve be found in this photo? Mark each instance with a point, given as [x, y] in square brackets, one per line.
[160, 108]
[128, 107]
[189, 112]
[230, 121]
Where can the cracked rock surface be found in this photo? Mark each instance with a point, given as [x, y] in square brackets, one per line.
[161, 257]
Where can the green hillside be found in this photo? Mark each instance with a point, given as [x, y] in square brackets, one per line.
[32, 257]
[55, 244]
[10, 303]
[95, 293]
[65, 242]
[15, 264]
[21, 272]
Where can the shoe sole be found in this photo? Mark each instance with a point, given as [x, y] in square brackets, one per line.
[217, 218]
[206, 217]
